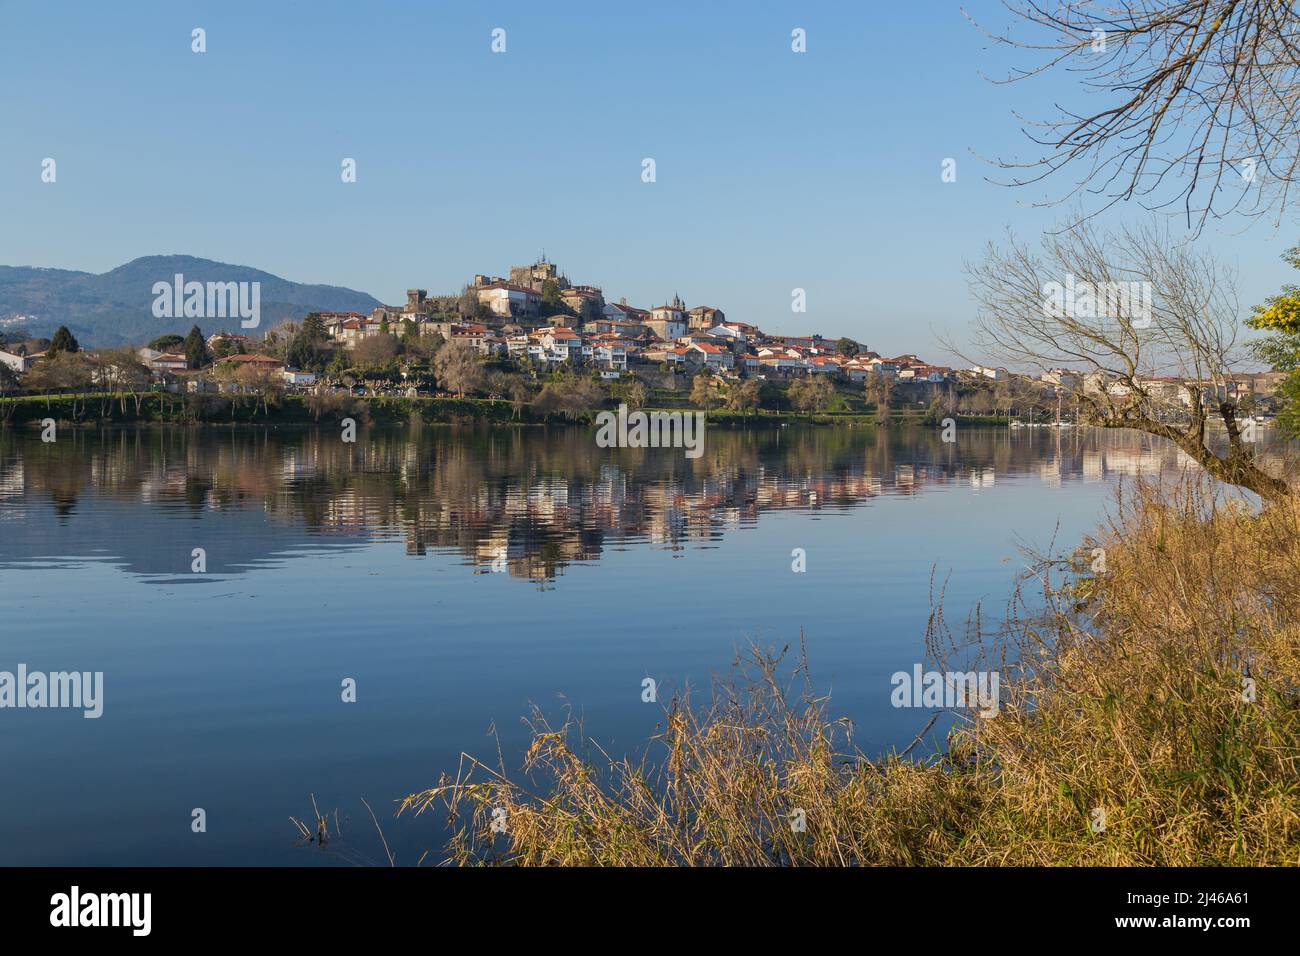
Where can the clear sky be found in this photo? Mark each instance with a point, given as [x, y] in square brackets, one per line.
[775, 170]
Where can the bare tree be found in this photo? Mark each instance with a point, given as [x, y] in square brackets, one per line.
[704, 391]
[879, 390]
[744, 395]
[1149, 325]
[1184, 102]
[811, 393]
[8, 379]
[59, 372]
[570, 395]
[265, 385]
[458, 369]
[120, 370]
[374, 352]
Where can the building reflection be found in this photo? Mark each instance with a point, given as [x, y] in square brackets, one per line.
[528, 502]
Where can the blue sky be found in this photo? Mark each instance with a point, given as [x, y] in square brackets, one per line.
[774, 170]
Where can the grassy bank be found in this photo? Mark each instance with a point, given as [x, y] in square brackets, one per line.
[171, 409]
[212, 409]
[1130, 701]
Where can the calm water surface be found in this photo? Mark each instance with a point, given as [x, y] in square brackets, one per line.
[375, 561]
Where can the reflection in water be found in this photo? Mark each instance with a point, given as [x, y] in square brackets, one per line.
[359, 561]
[530, 501]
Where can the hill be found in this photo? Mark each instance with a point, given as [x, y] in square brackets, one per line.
[117, 307]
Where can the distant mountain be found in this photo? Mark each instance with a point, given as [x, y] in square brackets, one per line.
[117, 307]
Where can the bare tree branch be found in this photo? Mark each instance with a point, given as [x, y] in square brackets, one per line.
[1148, 325]
[1189, 103]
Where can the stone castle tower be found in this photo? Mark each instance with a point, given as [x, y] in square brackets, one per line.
[536, 275]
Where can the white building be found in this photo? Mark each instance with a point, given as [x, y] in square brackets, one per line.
[19, 363]
[622, 312]
[712, 356]
[506, 300]
[1060, 377]
[669, 321]
[560, 345]
[610, 353]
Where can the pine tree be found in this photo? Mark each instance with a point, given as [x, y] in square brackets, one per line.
[196, 349]
[63, 341]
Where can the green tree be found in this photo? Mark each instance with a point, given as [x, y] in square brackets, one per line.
[63, 341]
[306, 349]
[410, 333]
[196, 349]
[552, 303]
[1280, 317]
[848, 347]
[224, 348]
[165, 343]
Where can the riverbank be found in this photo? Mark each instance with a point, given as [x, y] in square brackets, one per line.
[1154, 721]
[165, 408]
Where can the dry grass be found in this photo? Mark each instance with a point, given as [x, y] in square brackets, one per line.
[1121, 690]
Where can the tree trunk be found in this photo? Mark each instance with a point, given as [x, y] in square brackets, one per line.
[1236, 468]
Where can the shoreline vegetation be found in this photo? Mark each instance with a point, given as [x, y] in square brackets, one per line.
[1150, 716]
[163, 408]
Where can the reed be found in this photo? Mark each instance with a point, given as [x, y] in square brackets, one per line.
[1123, 690]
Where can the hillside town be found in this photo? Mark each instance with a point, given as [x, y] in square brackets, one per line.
[537, 314]
[509, 336]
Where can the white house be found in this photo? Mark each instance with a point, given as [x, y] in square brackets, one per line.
[610, 352]
[622, 312]
[730, 333]
[507, 300]
[1060, 377]
[168, 362]
[353, 331]
[19, 363]
[560, 344]
[668, 321]
[924, 373]
[712, 356]
[517, 346]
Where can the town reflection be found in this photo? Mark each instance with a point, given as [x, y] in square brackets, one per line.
[528, 501]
